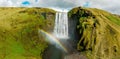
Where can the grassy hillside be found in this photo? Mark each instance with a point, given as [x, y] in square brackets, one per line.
[19, 37]
[99, 33]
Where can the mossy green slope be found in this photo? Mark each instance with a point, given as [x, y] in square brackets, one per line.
[19, 37]
[99, 33]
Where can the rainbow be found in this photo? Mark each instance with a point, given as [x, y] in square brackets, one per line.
[53, 40]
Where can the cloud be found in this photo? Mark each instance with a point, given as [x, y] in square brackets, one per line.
[56, 3]
[5, 3]
[36, 0]
[109, 5]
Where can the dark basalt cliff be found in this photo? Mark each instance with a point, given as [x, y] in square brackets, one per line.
[96, 32]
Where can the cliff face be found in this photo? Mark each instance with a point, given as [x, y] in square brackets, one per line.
[19, 37]
[97, 31]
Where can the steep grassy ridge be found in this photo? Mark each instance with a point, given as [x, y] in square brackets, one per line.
[19, 37]
[99, 33]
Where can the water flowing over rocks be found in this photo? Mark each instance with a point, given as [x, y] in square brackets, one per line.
[61, 25]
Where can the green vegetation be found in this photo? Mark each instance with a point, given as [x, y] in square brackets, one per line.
[19, 37]
[99, 33]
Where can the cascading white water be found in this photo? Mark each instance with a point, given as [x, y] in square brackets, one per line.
[61, 25]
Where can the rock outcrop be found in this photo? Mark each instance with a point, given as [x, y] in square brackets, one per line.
[97, 31]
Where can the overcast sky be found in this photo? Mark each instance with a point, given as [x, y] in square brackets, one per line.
[109, 5]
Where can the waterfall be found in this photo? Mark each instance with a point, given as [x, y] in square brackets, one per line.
[61, 25]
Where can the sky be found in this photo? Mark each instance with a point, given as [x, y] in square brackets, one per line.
[112, 6]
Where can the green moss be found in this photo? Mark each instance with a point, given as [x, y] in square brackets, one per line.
[19, 37]
[99, 33]
[114, 19]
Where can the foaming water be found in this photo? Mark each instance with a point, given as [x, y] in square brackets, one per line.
[61, 25]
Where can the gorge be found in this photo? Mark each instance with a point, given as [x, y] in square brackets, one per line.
[86, 33]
